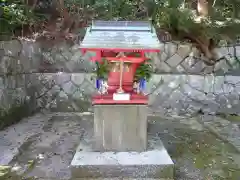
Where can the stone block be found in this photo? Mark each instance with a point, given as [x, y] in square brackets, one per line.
[120, 127]
[170, 48]
[184, 50]
[154, 164]
[174, 60]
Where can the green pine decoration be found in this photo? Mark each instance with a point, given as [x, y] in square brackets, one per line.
[102, 69]
[144, 71]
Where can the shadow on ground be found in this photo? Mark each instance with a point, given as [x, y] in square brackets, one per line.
[47, 153]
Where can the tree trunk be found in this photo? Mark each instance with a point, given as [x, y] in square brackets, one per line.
[202, 8]
[59, 6]
[67, 22]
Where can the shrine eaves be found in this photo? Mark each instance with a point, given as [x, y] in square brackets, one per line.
[132, 35]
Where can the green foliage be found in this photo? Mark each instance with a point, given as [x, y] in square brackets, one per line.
[221, 22]
[102, 69]
[14, 14]
[176, 16]
[14, 114]
[144, 71]
[113, 9]
[179, 17]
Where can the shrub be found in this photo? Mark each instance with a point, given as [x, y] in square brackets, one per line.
[14, 114]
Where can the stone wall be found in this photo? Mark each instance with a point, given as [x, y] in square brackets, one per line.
[58, 78]
[33, 57]
[12, 88]
[169, 94]
[180, 58]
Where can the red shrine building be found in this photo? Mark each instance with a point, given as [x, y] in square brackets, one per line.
[123, 44]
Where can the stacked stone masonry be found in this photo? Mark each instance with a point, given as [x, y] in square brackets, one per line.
[59, 78]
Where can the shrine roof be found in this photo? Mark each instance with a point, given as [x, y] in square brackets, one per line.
[121, 35]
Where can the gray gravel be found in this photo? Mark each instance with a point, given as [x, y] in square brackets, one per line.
[50, 141]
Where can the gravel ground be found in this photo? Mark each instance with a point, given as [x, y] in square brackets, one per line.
[225, 128]
[42, 146]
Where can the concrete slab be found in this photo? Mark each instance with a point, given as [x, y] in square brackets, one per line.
[153, 163]
[122, 158]
[118, 179]
[149, 164]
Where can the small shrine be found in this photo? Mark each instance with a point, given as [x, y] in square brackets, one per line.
[123, 45]
[120, 147]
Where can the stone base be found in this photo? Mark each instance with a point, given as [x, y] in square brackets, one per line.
[118, 179]
[120, 127]
[154, 163]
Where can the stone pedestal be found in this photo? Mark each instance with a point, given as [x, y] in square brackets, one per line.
[155, 163]
[120, 127]
[120, 147]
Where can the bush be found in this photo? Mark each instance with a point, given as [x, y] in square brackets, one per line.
[14, 114]
[14, 15]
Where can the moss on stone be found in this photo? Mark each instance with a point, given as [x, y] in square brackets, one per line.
[208, 154]
[166, 172]
[14, 114]
[4, 172]
[30, 164]
[233, 118]
[230, 117]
